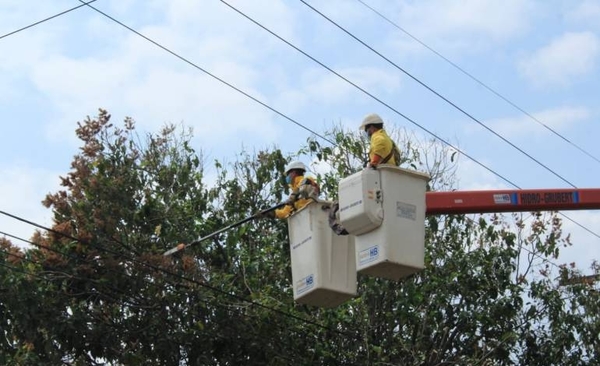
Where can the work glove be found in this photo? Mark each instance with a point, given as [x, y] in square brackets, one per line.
[293, 198]
[307, 191]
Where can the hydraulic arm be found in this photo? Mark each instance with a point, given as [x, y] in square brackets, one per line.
[462, 202]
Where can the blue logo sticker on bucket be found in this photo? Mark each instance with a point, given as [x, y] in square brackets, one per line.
[368, 255]
[305, 284]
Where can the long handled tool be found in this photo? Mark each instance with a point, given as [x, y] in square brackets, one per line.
[182, 246]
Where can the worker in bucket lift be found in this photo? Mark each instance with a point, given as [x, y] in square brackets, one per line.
[304, 190]
[383, 150]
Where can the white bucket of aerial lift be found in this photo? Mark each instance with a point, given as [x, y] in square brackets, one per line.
[360, 200]
[394, 248]
[323, 263]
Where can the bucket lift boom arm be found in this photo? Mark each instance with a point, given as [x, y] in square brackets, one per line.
[516, 200]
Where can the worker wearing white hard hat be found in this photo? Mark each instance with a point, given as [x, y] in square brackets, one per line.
[383, 150]
[295, 165]
[304, 189]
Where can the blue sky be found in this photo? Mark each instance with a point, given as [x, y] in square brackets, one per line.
[544, 56]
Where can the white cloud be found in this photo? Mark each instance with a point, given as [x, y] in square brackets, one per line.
[557, 119]
[587, 12]
[472, 176]
[133, 77]
[23, 188]
[349, 11]
[322, 86]
[563, 61]
[15, 14]
[19, 50]
[317, 86]
[471, 18]
[208, 19]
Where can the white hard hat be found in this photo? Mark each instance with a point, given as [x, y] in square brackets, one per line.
[295, 165]
[371, 119]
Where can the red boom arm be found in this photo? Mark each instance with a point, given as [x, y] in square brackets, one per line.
[463, 202]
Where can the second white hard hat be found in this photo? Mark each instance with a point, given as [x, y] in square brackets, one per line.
[295, 165]
[371, 119]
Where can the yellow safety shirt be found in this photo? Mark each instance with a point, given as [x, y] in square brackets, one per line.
[381, 144]
[287, 210]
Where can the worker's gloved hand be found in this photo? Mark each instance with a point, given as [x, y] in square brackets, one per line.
[371, 166]
[292, 198]
[307, 191]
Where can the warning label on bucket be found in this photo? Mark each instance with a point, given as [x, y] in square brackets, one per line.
[305, 284]
[368, 255]
[406, 210]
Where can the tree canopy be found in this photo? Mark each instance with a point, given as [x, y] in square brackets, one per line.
[95, 288]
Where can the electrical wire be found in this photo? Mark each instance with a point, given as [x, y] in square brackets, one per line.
[210, 74]
[181, 277]
[280, 113]
[205, 301]
[478, 81]
[393, 109]
[74, 276]
[247, 95]
[46, 19]
[298, 123]
[370, 95]
[470, 116]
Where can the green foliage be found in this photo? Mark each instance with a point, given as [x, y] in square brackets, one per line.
[105, 293]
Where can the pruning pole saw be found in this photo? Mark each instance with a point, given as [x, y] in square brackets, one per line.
[182, 246]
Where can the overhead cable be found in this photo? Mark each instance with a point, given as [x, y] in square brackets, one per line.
[289, 118]
[180, 276]
[46, 19]
[441, 96]
[105, 284]
[478, 81]
[395, 110]
[210, 74]
[371, 95]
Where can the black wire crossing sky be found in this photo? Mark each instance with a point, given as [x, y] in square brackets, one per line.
[410, 119]
[360, 88]
[170, 273]
[478, 81]
[439, 95]
[285, 116]
[45, 19]
[326, 67]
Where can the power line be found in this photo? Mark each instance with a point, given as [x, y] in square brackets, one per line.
[580, 225]
[15, 269]
[275, 110]
[72, 256]
[479, 81]
[179, 276]
[440, 95]
[392, 108]
[128, 293]
[46, 19]
[464, 112]
[371, 95]
[210, 74]
[278, 112]
[289, 118]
